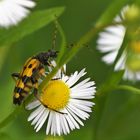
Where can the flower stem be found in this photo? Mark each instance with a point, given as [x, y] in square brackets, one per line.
[129, 88]
[63, 44]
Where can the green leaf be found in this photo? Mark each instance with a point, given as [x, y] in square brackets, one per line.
[32, 23]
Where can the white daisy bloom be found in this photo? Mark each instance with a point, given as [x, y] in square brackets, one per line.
[67, 101]
[13, 11]
[110, 41]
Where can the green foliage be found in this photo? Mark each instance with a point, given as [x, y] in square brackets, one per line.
[116, 115]
[34, 22]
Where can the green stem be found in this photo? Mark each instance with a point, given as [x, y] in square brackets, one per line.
[63, 44]
[10, 117]
[129, 88]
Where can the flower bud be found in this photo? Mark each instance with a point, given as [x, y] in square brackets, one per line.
[133, 57]
[133, 13]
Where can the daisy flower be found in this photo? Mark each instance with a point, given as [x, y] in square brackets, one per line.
[13, 11]
[67, 101]
[110, 41]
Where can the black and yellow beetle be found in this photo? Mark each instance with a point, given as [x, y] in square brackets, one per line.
[32, 71]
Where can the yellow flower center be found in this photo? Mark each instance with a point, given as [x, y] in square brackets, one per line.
[56, 95]
[136, 46]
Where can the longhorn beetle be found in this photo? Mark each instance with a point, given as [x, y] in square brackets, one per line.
[31, 72]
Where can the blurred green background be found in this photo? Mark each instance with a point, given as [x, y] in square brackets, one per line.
[119, 115]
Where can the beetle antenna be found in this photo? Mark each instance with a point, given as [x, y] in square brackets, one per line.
[54, 35]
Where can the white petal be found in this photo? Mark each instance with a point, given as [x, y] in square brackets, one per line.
[64, 125]
[73, 120]
[33, 105]
[53, 124]
[49, 123]
[110, 58]
[84, 86]
[121, 62]
[129, 75]
[83, 115]
[26, 3]
[14, 11]
[75, 117]
[81, 94]
[116, 30]
[138, 76]
[107, 48]
[118, 18]
[72, 80]
[80, 84]
[42, 120]
[71, 125]
[58, 129]
[89, 89]
[82, 107]
[107, 40]
[35, 113]
[65, 78]
[35, 120]
[82, 102]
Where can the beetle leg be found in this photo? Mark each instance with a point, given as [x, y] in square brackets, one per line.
[55, 79]
[29, 85]
[50, 64]
[35, 92]
[15, 76]
[61, 74]
[42, 71]
[55, 34]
